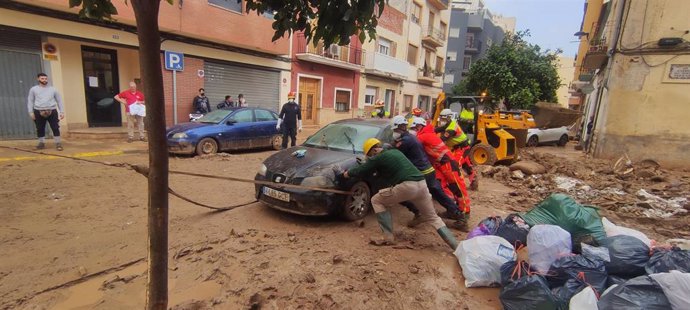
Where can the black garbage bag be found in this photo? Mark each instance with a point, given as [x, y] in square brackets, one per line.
[514, 270]
[641, 293]
[615, 280]
[527, 293]
[629, 255]
[590, 271]
[514, 229]
[564, 293]
[664, 260]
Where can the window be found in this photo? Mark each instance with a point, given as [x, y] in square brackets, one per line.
[370, 95]
[263, 116]
[384, 46]
[342, 100]
[449, 79]
[424, 103]
[454, 33]
[469, 41]
[452, 56]
[489, 42]
[412, 54]
[466, 63]
[232, 5]
[443, 29]
[408, 99]
[416, 14]
[431, 21]
[439, 64]
[242, 116]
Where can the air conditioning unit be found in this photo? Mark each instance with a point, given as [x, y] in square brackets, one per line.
[334, 51]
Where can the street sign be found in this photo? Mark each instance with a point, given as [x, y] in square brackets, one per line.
[174, 61]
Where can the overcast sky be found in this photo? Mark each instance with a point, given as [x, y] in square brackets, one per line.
[551, 22]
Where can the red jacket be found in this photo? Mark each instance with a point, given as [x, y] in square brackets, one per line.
[434, 147]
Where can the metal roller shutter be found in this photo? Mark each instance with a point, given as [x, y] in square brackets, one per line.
[261, 88]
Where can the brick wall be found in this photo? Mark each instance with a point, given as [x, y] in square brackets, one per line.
[392, 20]
[188, 84]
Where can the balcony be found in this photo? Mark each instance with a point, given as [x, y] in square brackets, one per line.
[386, 66]
[597, 55]
[475, 21]
[474, 47]
[427, 76]
[434, 37]
[439, 4]
[586, 75]
[343, 57]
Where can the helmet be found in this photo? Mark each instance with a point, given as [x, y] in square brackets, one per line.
[417, 112]
[370, 143]
[418, 121]
[446, 112]
[379, 103]
[399, 120]
[291, 95]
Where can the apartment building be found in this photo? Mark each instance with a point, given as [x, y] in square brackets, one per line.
[473, 29]
[91, 61]
[633, 80]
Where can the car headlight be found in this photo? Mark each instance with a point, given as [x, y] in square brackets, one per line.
[180, 135]
[318, 181]
[262, 170]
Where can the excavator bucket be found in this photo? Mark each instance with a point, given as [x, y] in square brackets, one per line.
[551, 115]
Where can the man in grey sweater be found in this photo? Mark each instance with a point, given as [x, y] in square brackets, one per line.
[45, 106]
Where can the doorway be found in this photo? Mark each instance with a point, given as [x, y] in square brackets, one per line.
[309, 98]
[101, 82]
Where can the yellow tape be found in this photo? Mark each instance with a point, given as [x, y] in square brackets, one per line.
[48, 157]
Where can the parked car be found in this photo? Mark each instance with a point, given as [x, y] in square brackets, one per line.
[537, 136]
[334, 148]
[225, 130]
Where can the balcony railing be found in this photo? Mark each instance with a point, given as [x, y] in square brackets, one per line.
[439, 4]
[335, 55]
[427, 76]
[474, 47]
[434, 36]
[384, 65]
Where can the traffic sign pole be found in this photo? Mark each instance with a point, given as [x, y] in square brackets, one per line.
[174, 73]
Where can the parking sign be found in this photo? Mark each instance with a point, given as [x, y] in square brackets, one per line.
[174, 61]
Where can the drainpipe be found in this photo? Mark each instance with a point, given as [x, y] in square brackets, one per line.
[611, 53]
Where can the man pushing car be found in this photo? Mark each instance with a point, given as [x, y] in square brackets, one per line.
[404, 183]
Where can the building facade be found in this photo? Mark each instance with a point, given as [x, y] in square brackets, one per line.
[473, 29]
[90, 61]
[636, 73]
[566, 69]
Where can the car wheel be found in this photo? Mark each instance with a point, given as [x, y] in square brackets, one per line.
[277, 142]
[533, 141]
[357, 206]
[207, 146]
[483, 154]
[563, 140]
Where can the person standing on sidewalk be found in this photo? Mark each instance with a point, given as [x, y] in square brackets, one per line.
[404, 183]
[201, 104]
[128, 98]
[290, 120]
[45, 105]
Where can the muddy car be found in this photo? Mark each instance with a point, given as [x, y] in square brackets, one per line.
[317, 163]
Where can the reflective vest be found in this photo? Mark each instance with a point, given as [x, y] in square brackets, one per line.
[467, 115]
[459, 137]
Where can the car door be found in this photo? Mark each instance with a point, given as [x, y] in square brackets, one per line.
[240, 129]
[265, 126]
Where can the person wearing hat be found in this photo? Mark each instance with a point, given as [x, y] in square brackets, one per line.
[404, 182]
[379, 110]
[290, 120]
[457, 142]
[416, 112]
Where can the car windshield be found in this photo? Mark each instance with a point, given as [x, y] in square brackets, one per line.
[215, 117]
[343, 137]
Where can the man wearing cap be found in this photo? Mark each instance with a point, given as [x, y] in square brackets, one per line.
[404, 182]
[290, 119]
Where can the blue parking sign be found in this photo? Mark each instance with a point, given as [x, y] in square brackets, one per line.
[174, 61]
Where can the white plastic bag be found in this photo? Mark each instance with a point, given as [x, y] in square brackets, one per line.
[546, 243]
[586, 299]
[676, 286]
[614, 230]
[481, 259]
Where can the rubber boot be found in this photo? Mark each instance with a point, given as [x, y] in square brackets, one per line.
[385, 220]
[448, 237]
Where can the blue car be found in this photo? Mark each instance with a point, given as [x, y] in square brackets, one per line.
[224, 130]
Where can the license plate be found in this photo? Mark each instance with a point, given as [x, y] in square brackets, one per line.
[276, 194]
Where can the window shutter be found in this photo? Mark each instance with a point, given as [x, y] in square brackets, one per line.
[394, 46]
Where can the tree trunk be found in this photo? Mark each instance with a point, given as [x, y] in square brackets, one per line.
[146, 14]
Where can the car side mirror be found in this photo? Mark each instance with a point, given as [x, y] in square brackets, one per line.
[231, 122]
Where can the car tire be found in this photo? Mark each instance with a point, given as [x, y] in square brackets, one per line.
[357, 205]
[277, 142]
[533, 141]
[207, 146]
[483, 154]
[563, 140]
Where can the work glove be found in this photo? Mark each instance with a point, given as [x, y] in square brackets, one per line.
[278, 124]
[299, 125]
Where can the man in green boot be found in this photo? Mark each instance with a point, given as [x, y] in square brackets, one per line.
[406, 183]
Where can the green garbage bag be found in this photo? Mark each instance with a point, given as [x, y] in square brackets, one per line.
[582, 222]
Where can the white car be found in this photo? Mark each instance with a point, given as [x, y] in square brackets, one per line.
[536, 136]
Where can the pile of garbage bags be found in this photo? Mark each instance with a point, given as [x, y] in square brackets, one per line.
[575, 260]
